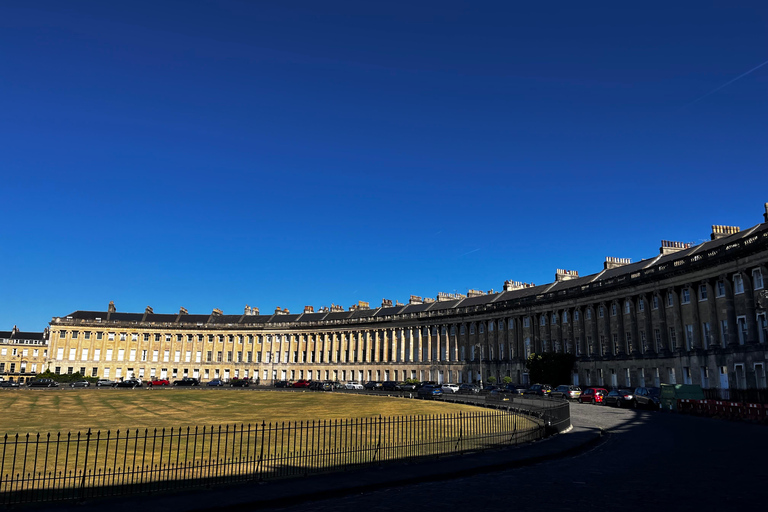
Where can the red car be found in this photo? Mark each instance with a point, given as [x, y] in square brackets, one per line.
[592, 396]
[301, 384]
[159, 382]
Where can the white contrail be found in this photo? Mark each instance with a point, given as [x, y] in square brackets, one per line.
[470, 252]
[713, 91]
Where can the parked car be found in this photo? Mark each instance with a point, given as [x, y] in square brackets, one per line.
[158, 382]
[373, 385]
[239, 383]
[105, 383]
[43, 383]
[302, 383]
[538, 390]
[318, 385]
[408, 386]
[503, 394]
[187, 381]
[469, 389]
[566, 391]
[9, 384]
[592, 396]
[390, 385]
[129, 383]
[450, 388]
[80, 384]
[353, 385]
[516, 389]
[282, 384]
[430, 391]
[619, 397]
[215, 383]
[425, 383]
[647, 398]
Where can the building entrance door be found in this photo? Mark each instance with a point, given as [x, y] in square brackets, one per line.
[724, 393]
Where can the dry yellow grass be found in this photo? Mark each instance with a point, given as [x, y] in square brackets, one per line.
[305, 432]
[111, 409]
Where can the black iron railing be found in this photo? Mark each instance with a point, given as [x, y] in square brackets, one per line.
[83, 465]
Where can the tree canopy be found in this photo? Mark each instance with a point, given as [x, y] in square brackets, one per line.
[550, 368]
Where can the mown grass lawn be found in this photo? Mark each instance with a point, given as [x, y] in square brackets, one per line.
[23, 411]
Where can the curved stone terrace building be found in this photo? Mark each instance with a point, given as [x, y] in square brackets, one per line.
[690, 314]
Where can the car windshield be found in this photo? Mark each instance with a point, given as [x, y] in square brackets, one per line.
[654, 391]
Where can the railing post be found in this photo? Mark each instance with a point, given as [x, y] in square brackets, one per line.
[85, 465]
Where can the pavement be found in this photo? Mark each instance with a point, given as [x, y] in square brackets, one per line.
[297, 492]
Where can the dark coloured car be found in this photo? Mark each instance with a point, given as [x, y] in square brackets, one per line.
[538, 390]
[187, 381]
[502, 394]
[9, 384]
[282, 384]
[516, 389]
[566, 391]
[215, 383]
[430, 392]
[43, 383]
[129, 383]
[592, 396]
[425, 383]
[80, 384]
[469, 389]
[408, 386]
[239, 383]
[620, 398]
[390, 385]
[647, 398]
[373, 385]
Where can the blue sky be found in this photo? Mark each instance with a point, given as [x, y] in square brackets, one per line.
[217, 154]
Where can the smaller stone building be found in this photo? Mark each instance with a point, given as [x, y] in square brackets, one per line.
[22, 354]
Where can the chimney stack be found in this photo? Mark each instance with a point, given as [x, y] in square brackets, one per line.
[112, 308]
[723, 231]
[148, 310]
[611, 262]
[336, 308]
[216, 312]
[415, 299]
[475, 293]
[765, 215]
[510, 285]
[669, 247]
[386, 303]
[565, 275]
[309, 309]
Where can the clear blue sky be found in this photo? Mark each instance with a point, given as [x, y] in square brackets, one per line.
[217, 154]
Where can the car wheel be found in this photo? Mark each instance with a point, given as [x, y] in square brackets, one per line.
[619, 404]
[634, 404]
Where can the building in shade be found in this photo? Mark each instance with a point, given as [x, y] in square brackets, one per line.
[690, 314]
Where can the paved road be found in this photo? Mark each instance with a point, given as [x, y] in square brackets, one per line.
[649, 461]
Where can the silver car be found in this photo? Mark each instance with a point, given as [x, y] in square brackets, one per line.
[450, 388]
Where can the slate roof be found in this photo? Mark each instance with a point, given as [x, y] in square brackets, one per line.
[621, 273]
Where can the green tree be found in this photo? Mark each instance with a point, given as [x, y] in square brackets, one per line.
[507, 380]
[550, 368]
[492, 380]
